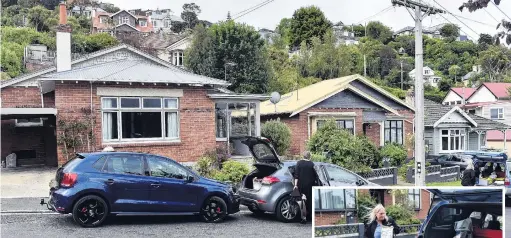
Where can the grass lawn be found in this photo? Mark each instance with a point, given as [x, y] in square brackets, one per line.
[454, 183]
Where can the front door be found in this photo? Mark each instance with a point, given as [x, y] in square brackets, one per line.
[170, 191]
[123, 176]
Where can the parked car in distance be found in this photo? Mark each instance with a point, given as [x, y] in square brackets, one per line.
[94, 185]
[482, 206]
[268, 187]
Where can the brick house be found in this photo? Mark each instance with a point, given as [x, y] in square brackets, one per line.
[334, 206]
[136, 101]
[354, 102]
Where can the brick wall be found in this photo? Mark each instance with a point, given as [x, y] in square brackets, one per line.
[299, 127]
[425, 204]
[20, 97]
[196, 115]
[329, 218]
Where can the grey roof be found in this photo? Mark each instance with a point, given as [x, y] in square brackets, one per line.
[433, 111]
[176, 18]
[159, 40]
[469, 75]
[133, 71]
[485, 123]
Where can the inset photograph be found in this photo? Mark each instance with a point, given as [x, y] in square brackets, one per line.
[408, 212]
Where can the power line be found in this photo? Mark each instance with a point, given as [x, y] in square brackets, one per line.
[456, 17]
[500, 10]
[491, 15]
[380, 12]
[462, 17]
[259, 6]
[460, 28]
[248, 9]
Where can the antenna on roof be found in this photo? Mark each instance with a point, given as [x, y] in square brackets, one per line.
[275, 98]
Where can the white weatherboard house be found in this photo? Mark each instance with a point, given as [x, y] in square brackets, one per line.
[428, 74]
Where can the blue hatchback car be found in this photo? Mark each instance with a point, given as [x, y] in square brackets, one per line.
[95, 185]
[483, 207]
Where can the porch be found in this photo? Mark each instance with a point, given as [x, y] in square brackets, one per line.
[29, 133]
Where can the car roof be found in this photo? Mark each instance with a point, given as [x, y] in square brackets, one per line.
[112, 152]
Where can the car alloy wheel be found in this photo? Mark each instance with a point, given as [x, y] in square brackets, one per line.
[90, 211]
[214, 210]
[287, 210]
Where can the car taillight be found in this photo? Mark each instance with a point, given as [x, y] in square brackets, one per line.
[69, 180]
[506, 182]
[270, 180]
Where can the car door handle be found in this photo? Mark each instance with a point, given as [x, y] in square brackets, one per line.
[155, 185]
[109, 181]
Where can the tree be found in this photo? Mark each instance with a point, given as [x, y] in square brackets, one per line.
[178, 27]
[484, 41]
[284, 30]
[378, 31]
[454, 72]
[358, 30]
[444, 85]
[190, 14]
[474, 5]
[111, 9]
[308, 22]
[495, 62]
[37, 16]
[226, 42]
[450, 31]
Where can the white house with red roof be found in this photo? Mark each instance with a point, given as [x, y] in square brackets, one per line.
[457, 96]
[492, 101]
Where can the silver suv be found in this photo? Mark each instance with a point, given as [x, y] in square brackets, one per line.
[268, 187]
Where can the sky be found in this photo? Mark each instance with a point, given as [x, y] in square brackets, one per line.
[347, 11]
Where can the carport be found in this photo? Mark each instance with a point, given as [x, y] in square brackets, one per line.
[30, 134]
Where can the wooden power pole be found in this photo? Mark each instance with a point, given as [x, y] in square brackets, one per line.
[421, 11]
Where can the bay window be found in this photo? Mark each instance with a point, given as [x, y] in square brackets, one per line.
[139, 118]
[344, 124]
[394, 132]
[453, 140]
[237, 119]
[334, 199]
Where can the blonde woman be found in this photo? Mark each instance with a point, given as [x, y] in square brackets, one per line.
[377, 219]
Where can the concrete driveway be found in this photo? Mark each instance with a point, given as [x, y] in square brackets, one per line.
[25, 181]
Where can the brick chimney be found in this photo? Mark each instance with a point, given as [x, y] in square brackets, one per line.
[63, 40]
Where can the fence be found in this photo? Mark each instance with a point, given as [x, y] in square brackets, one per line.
[357, 230]
[384, 176]
[435, 173]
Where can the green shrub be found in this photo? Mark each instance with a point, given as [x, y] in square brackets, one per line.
[355, 153]
[402, 214]
[319, 158]
[279, 134]
[204, 166]
[232, 171]
[396, 153]
[365, 204]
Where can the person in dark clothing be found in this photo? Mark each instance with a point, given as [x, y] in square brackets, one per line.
[469, 175]
[377, 219]
[305, 178]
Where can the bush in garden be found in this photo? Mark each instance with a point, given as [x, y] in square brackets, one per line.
[355, 153]
[319, 158]
[232, 171]
[396, 153]
[365, 204]
[402, 214]
[279, 134]
[205, 166]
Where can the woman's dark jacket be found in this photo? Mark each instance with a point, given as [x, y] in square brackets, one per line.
[469, 178]
[371, 228]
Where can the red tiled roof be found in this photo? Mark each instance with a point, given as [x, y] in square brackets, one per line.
[468, 91]
[500, 90]
[498, 135]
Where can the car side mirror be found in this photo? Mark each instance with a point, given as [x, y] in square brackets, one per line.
[190, 179]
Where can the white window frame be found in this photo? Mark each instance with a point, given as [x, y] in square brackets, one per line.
[125, 20]
[28, 124]
[167, 23]
[390, 131]
[228, 121]
[163, 110]
[500, 115]
[155, 23]
[101, 19]
[463, 143]
[143, 21]
[414, 194]
[336, 119]
[175, 57]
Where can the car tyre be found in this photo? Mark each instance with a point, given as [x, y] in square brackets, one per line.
[284, 210]
[90, 211]
[213, 210]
